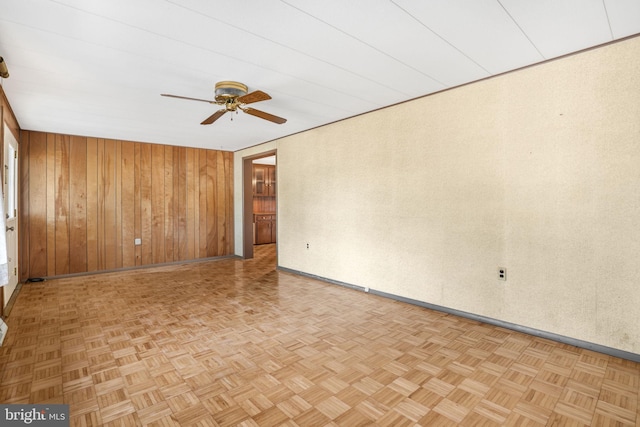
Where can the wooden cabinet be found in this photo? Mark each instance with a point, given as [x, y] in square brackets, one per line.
[265, 228]
[264, 180]
[264, 191]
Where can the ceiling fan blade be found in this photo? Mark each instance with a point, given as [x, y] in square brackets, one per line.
[256, 96]
[263, 115]
[190, 99]
[212, 118]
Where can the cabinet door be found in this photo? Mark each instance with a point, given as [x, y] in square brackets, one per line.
[259, 180]
[263, 229]
[271, 180]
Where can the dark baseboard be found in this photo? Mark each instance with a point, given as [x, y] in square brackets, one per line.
[507, 325]
[137, 267]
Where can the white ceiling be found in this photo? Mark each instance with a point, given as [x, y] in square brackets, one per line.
[97, 67]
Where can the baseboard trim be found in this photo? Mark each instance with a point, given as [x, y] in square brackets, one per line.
[12, 300]
[610, 351]
[137, 267]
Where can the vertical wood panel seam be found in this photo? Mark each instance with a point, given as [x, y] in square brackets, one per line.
[118, 164]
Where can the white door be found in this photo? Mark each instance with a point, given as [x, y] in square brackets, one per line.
[11, 209]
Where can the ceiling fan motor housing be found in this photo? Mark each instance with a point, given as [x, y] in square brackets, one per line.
[229, 90]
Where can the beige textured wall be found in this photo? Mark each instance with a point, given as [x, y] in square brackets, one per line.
[537, 171]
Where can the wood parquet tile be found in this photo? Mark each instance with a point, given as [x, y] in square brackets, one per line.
[238, 343]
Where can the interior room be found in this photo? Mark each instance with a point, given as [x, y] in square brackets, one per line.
[425, 215]
[264, 188]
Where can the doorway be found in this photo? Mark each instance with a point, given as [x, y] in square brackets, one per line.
[248, 189]
[11, 212]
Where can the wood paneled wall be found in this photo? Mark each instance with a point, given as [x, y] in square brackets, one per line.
[86, 200]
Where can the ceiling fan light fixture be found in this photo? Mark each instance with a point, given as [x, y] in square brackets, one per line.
[228, 89]
[4, 72]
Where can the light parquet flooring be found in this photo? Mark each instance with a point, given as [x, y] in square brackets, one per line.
[234, 342]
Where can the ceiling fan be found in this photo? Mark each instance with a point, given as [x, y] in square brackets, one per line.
[233, 96]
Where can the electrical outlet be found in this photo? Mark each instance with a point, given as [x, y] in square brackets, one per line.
[502, 273]
[137, 241]
[307, 245]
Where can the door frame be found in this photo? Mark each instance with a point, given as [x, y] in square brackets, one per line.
[8, 138]
[247, 201]
[2, 126]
